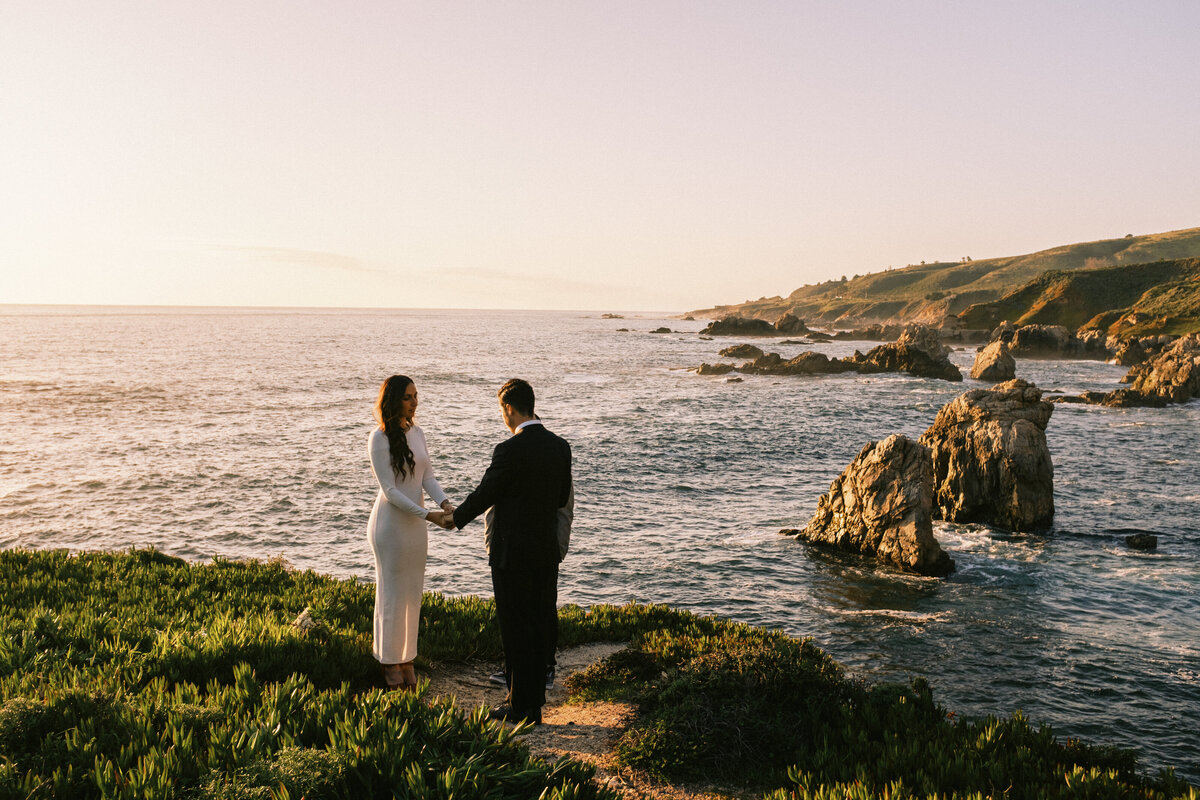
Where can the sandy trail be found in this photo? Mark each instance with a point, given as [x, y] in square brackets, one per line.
[585, 732]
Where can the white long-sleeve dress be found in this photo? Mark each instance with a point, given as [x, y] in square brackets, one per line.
[400, 540]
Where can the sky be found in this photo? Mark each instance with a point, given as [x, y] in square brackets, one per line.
[620, 155]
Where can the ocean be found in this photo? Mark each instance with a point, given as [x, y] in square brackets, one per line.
[242, 433]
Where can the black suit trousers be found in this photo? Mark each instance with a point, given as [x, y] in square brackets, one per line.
[525, 603]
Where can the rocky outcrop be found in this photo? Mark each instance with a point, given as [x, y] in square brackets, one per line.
[1043, 341]
[991, 463]
[881, 506]
[740, 326]
[807, 363]
[1130, 353]
[872, 333]
[714, 369]
[994, 363]
[1051, 341]
[1173, 376]
[917, 352]
[741, 351]
[789, 325]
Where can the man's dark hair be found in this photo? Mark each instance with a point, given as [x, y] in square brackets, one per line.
[518, 394]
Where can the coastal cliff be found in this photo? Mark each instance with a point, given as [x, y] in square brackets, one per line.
[1134, 285]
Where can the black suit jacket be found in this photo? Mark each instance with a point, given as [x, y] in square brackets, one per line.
[528, 480]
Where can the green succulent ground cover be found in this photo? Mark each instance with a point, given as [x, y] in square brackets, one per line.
[138, 675]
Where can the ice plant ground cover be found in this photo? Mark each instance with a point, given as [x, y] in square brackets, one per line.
[140, 675]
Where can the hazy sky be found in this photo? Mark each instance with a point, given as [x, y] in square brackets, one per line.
[607, 155]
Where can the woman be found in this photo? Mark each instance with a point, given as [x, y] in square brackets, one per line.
[400, 461]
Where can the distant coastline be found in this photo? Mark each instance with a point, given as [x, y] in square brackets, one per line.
[1131, 286]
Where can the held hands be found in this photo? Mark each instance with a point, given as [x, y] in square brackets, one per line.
[444, 518]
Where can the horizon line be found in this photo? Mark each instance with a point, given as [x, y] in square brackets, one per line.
[329, 308]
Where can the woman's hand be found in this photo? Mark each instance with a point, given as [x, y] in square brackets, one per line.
[442, 519]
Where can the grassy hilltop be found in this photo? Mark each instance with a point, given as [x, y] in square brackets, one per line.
[137, 675]
[930, 292]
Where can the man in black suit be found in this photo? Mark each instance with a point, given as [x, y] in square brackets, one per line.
[526, 484]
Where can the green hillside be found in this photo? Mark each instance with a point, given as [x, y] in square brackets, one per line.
[1162, 297]
[929, 292]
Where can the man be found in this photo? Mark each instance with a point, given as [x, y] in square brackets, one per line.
[526, 484]
[566, 516]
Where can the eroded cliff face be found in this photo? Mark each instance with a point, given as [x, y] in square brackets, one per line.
[881, 506]
[991, 462]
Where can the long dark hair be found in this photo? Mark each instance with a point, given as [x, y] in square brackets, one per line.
[387, 414]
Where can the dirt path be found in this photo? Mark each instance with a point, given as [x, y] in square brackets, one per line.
[584, 731]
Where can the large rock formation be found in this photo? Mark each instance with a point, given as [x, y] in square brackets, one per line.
[740, 326]
[881, 505]
[1173, 376]
[917, 352]
[991, 463]
[1051, 341]
[994, 363]
[1045, 341]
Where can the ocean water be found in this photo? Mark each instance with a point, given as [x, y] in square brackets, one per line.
[242, 433]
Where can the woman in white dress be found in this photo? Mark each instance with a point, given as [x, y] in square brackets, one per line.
[397, 530]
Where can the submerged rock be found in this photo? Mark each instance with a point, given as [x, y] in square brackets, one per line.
[740, 326]
[1142, 541]
[991, 462]
[881, 506]
[994, 363]
[714, 369]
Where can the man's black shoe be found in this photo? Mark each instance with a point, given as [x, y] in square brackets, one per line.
[504, 712]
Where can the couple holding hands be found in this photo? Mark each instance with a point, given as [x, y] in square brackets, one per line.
[527, 496]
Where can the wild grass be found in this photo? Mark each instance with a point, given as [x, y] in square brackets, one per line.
[137, 675]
